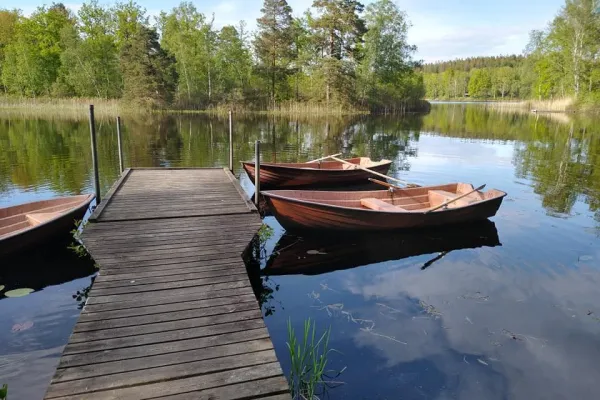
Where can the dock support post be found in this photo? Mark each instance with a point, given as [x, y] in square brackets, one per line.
[94, 155]
[257, 172]
[120, 145]
[230, 141]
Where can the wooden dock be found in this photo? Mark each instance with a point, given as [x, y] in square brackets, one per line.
[172, 313]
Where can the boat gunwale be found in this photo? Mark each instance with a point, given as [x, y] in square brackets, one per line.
[86, 199]
[282, 165]
[269, 193]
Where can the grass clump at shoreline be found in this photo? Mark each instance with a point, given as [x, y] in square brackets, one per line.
[309, 358]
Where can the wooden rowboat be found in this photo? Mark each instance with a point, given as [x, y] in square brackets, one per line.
[323, 173]
[319, 254]
[35, 223]
[382, 209]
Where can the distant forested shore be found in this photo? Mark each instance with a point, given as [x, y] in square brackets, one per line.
[338, 56]
[561, 64]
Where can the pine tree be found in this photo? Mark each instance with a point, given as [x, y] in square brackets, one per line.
[340, 30]
[273, 44]
[149, 75]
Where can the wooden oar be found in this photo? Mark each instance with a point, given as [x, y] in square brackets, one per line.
[368, 170]
[323, 158]
[382, 183]
[453, 200]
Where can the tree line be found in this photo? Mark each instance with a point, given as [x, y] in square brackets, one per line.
[559, 61]
[337, 53]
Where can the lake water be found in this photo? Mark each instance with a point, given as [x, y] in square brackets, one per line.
[503, 310]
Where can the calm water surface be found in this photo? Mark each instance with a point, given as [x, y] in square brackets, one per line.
[503, 310]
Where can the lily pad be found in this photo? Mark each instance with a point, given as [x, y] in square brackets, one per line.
[2, 287]
[18, 292]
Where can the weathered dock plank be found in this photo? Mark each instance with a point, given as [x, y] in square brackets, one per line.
[172, 312]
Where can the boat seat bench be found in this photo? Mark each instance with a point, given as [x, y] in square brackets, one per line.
[442, 196]
[39, 218]
[380, 205]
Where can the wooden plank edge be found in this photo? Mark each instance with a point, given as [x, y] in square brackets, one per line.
[176, 168]
[114, 188]
[171, 217]
[243, 194]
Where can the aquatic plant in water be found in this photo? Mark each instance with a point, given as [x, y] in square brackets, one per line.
[308, 361]
[77, 245]
[4, 392]
[18, 292]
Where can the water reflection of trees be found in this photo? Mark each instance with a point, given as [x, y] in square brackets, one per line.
[56, 153]
[562, 159]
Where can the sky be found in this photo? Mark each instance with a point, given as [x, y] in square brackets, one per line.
[441, 29]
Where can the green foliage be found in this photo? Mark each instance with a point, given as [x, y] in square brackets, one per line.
[90, 61]
[480, 83]
[77, 245]
[273, 45]
[338, 34]
[4, 392]
[308, 360]
[32, 58]
[387, 74]
[332, 59]
[265, 233]
[560, 61]
[148, 71]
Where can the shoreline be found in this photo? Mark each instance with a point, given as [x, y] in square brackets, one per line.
[105, 108]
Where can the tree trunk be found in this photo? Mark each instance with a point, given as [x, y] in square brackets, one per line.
[209, 84]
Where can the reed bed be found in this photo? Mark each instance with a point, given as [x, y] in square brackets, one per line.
[56, 108]
[555, 105]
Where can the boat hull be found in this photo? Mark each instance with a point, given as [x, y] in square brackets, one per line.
[295, 214]
[277, 176]
[54, 230]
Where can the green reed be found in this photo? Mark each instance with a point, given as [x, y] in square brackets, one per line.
[308, 360]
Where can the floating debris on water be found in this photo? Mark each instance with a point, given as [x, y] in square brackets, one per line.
[392, 338]
[429, 309]
[521, 337]
[324, 286]
[469, 320]
[480, 361]
[22, 327]
[476, 296]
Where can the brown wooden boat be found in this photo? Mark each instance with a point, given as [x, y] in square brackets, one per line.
[382, 209]
[319, 254]
[35, 223]
[323, 173]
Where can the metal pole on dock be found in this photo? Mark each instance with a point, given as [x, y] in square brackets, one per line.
[230, 141]
[257, 172]
[94, 154]
[119, 144]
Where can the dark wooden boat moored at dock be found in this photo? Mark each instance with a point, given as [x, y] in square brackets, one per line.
[318, 173]
[418, 207]
[313, 255]
[29, 224]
